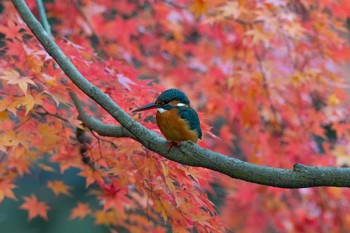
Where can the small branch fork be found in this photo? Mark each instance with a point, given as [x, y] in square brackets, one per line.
[300, 176]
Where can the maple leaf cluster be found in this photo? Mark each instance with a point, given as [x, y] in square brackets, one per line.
[267, 75]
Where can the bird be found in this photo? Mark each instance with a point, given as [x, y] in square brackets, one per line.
[175, 117]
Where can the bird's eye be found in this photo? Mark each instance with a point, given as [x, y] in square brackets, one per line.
[164, 102]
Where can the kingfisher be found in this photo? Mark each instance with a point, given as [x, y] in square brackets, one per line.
[176, 119]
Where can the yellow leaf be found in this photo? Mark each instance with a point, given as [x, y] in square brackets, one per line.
[333, 100]
[27, 101]
[58, 187]
[342, 155]
[4, 115]
[230, 9]
[46, 168]
[199, 7]
[161, 208]
[106, 217]
[9, 138]
[258, 35]
[13, 77]
[294, 30]
[335, 192]
[50, 133]
[297, 79]
[165, 171]
[10, 104]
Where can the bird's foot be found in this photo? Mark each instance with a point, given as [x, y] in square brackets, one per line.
[171, 144]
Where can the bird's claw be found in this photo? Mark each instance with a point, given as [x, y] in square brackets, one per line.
[171, 144]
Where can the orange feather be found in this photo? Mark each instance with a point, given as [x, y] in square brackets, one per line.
[174, 128]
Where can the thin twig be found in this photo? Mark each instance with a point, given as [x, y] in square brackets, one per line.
[115, 146]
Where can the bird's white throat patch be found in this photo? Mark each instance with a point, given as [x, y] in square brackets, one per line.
[161, 110]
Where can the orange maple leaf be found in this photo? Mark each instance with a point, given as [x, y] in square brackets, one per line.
[199, 7]
[20, 164]
[92, 176]
[58, 187]
[106, 217]
[34, 207]
[6, 190]
[80, 211]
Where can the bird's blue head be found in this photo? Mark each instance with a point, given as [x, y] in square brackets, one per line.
[169, 98]
[172, 95]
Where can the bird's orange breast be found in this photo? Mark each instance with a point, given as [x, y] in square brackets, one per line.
[174, 128]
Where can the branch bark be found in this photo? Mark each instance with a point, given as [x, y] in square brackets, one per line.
[188, 153]
[96, 125]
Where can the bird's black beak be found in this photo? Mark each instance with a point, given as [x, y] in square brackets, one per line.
[146, 107]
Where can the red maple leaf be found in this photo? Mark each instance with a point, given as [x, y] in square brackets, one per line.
[34, 207]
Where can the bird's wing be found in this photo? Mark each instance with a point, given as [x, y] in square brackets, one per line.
[191, 116]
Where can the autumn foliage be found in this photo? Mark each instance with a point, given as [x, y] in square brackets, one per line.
[267, 77]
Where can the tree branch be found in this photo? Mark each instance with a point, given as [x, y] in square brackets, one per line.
[96, 125]
[188, 153]
[43, 17]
